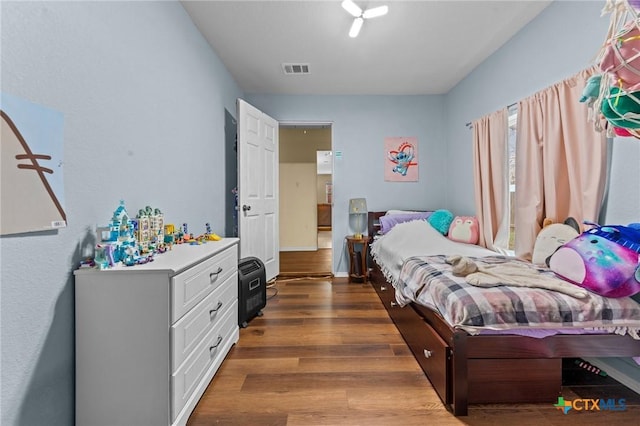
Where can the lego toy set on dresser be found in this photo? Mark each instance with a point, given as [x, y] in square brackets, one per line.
[156, 314]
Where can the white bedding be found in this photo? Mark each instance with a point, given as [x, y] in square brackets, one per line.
[416, 238]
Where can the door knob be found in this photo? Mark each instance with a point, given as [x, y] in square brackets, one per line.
[245, 208]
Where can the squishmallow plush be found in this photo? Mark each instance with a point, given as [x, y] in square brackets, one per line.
[551, 237]
[619, 131]
[441, 220]
[621, 109]
[464, 229]
[604, 260]
[591, 89]
[621, 59]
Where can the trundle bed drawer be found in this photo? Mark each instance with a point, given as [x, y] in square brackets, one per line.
[386, 292]
[514, 380]
[431, 352]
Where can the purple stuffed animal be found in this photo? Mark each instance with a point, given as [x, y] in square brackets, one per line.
[604, 260]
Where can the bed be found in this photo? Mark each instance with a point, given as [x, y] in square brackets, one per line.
[477, 364]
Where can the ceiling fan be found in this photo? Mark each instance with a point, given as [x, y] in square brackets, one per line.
[360, 15]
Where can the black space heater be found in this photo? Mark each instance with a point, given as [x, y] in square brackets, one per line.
[252, 289]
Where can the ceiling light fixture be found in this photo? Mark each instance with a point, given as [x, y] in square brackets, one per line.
[360, 15]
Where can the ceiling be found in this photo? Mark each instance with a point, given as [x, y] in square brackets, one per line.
[418, 48]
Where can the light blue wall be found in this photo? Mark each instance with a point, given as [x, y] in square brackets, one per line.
[143, 99]
[360, 124]
[560, 42]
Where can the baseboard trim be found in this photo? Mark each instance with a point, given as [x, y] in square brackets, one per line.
[299, 248]
[305, 274]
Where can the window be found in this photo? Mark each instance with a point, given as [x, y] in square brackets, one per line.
[511, 158]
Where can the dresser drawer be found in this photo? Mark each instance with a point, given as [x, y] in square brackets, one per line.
[191, 286]
[208, 354]
[189, 330]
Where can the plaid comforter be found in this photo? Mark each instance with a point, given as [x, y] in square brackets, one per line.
[428, 281]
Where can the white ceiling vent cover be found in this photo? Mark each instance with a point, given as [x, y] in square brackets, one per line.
[295, 68]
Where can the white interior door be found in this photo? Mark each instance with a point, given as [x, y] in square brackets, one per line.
[258, 187]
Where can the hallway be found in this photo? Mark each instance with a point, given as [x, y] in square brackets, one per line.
[308, 263]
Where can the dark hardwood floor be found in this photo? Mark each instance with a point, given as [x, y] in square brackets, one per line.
[306, 263]
[325, 352]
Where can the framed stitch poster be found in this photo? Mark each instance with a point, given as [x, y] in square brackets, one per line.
[401, 159]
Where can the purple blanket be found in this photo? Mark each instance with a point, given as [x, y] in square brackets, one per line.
[387, 222]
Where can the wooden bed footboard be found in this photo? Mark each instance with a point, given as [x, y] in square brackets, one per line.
[466, 369]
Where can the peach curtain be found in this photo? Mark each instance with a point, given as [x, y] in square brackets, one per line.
[490, 172]
[560, 161]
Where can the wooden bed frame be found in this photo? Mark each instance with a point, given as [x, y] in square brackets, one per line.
[466, 369]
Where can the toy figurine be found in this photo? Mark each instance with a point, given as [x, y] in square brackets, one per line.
[100, 257]
[169, 231]
[210, 236]
[130, 241]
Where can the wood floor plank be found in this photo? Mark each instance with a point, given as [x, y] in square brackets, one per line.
[328, 337]
[312, 313]
[244, 366]
[277, 401]
[376, 418]
[238, 419]
[403, 399]
[287, 382]
[310, 351]
[348, 364]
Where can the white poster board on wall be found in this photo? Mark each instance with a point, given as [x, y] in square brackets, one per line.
[32, 187]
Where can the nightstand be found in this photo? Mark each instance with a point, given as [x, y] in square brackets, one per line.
[357, 248]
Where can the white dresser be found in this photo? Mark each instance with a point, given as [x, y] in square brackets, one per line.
[149, 338]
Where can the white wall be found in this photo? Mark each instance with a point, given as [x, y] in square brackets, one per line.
[298, 207]
[143, 99]
[623, 195]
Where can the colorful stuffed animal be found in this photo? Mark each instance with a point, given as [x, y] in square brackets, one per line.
[464, 229]
[604, 260]
[621, 58]
[441, 220]
[591, 89]
[619, 131]
[621, 109]
[551, 237]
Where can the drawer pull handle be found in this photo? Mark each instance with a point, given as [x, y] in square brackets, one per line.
[214, 275]
[427, 353]
[213, 312]
[394, 304]
[383, 288]
[213, 348]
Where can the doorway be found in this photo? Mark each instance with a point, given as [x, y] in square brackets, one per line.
[306, 199]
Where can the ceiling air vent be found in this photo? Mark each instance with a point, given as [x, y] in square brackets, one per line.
[295, 68]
